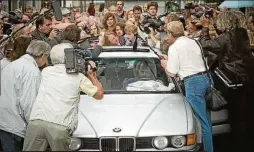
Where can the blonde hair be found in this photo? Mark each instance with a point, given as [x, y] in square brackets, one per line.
[131, 29]
[107, 42]
[241, 19]
[226, 21]
[176, 29]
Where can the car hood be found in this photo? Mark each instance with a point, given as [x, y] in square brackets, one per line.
[132, 115]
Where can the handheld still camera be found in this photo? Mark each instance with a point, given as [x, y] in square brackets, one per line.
[77, 60]
[155, 23]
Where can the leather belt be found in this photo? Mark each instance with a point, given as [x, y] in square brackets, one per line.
[190, 76]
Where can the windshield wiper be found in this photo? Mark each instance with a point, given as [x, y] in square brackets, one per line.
[136, 92]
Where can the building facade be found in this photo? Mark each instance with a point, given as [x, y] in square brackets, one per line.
[9, 5]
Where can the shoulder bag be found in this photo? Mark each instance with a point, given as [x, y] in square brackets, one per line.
[214, 99]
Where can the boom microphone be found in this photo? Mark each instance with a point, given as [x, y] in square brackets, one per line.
[57, 9]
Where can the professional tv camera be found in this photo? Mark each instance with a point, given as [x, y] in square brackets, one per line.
[14, 18]
[77, 60]
[155, 23]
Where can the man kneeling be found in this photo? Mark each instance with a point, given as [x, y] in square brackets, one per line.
[54, 115]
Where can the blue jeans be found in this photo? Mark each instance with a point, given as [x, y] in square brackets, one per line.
[11, 142]
[196, 88]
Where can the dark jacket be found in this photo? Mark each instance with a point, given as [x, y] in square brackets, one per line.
[232, 49]
[37, 35]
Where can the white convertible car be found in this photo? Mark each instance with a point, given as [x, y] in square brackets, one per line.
[142, 108]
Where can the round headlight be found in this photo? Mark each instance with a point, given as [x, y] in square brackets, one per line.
[75, 144]
[178, 141]
[160, 142]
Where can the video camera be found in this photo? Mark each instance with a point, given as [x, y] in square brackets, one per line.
[77, 60]
[155, 23]
[15, 18]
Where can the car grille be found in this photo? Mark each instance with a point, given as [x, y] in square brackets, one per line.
[90, 143]
[117, 144]
[126, 144]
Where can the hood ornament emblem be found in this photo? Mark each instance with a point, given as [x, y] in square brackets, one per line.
[117, 130]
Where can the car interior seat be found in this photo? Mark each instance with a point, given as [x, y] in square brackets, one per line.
[114, 74]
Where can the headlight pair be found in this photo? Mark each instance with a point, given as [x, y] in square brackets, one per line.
[162, 142]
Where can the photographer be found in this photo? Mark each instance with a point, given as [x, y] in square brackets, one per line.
[152, 8]
[44, 30]
[54, 116]
[153, 25]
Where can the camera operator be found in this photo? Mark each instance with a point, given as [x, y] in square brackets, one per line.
[152, 24]
[54, 116]
[152, 9]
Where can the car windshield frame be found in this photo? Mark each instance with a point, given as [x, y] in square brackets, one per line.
[120, 91]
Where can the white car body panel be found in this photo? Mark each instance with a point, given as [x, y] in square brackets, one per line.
[140, 115]
[135, 114]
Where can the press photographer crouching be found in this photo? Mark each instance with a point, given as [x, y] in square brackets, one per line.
[54, 116]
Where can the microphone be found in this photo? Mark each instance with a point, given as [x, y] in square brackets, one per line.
[57, 9]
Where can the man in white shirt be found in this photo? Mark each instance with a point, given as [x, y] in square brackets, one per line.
[54, 116]
[185, 60]
[20, 82]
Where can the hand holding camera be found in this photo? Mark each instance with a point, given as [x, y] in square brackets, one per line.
[91, 69]
[205, 21]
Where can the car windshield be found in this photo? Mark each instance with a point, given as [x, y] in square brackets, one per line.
[133, 75]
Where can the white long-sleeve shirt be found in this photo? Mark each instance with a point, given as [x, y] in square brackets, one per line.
[20, 82]
[4, 62]
[59, 96]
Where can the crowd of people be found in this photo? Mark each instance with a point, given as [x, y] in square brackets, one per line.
[32, 64]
